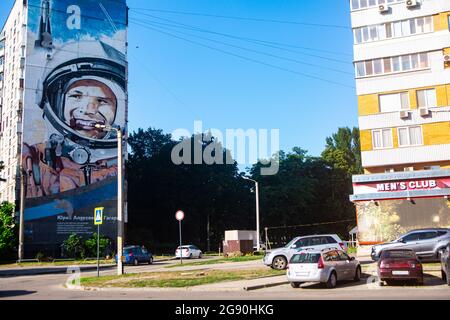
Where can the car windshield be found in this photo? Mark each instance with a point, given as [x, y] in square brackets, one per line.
[305, 258]
[398, 254]
[290, 243]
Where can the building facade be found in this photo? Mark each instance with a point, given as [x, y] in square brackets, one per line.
[402, 66]
[63, 70]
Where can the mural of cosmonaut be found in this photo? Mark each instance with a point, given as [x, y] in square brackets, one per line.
[76, 78]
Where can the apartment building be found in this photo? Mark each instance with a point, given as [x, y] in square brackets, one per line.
[63, 67]
[12, 57]
[402, 70]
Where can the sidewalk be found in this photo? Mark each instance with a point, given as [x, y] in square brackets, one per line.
[37, 270]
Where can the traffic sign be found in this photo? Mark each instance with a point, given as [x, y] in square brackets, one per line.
[98, 216]
[179, 215]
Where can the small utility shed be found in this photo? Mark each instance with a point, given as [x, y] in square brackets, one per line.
[239, 241]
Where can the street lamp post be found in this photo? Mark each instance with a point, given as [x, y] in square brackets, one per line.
[120, 225]
[258, 245]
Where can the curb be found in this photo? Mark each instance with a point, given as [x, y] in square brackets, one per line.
[267, 285]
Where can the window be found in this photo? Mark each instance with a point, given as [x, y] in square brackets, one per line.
[343, 256]
[388, 65]
[331, 256]
[426, 98]
[394, 102]
[305, 258]
[427, 235]
[411, 237]
[395, 29]
[410, 136]
[382, 139]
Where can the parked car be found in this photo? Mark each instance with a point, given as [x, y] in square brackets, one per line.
[426, 243]
[325, 266]
[188, 251]
[136, 254]
[399, 264]
[278, 258]
[445, 265]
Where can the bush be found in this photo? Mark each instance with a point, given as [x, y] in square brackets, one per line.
[8, 231]
[90, 245]
[74, 247]
[40, 256]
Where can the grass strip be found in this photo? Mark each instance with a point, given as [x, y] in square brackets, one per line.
[179, 279]
[216, 261]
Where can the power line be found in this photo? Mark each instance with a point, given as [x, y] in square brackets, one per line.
[245, 18]
[266, 43]
[246, 58]
[256, 51]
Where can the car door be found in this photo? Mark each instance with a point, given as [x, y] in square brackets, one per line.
[319, 243]
[410, 241]
[347, 265]
[333, 261]
[426, 243]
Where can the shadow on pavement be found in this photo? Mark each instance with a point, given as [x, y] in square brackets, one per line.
[15, 293]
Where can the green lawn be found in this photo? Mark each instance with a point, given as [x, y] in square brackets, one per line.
[216, 261]
[177, 279]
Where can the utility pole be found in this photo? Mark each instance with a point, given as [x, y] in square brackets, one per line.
[120, 226]
[258, 244]
[22, 213]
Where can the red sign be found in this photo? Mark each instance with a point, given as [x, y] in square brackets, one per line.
[406, 185]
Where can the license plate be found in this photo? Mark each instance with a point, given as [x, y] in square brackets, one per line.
[302, 274]
[400, 273]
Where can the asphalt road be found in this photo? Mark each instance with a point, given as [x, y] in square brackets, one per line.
[50, 287]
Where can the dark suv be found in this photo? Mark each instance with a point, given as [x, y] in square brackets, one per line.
[136, 254]
[426, 243]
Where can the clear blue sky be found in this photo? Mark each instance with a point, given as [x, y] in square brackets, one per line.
[173, 82]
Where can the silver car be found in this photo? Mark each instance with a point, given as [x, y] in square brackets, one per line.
[327, 266]
[278, 258]
[426, 243]
[445, 265]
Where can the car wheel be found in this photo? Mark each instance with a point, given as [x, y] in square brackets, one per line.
[279, 263]
[357, 274]
[295, 284]
[443, 275]
[389, 282]
[200, 256]
[332, 280]
[190, 256]
[135, 262]
[419, 282]
[150, 261]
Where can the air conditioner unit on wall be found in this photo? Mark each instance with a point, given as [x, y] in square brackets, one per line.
[383, 8]
[404, 114]
[424, 112]
[412, 3]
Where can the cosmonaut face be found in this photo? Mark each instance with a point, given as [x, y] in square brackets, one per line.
[87, 103]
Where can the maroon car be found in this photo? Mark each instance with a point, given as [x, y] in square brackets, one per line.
[399, 264]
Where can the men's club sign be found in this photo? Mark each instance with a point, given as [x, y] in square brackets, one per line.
[402, 185]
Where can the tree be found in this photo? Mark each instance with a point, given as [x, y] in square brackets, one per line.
[343, 151]
[8, 232]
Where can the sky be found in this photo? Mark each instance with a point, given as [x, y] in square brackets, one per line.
[197, 60]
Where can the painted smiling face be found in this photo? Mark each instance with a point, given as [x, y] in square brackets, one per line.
[87, 103]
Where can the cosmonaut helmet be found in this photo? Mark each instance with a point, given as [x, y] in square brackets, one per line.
[85, 60]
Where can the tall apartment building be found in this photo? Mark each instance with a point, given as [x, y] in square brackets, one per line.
[402, 66]
[63, 70]
[12, 57]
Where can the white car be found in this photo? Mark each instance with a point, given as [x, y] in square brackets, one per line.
[278, 258]
[188, 252]
[326, 266]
